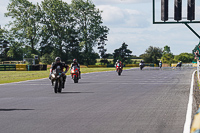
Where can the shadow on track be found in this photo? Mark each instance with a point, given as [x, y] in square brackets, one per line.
[15, 109]
[74, 92]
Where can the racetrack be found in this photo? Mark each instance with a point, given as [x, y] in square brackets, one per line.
[148, 101]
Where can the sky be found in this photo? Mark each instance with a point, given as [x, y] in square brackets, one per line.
[130, 21]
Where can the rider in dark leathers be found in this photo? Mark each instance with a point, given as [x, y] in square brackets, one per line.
[75, 63]
[60, 64]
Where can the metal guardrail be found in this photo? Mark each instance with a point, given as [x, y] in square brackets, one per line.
[11, 62]
[7, 67]
[36, 67]
[23, 67]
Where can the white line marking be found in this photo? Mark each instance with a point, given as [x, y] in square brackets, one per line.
[189, 108]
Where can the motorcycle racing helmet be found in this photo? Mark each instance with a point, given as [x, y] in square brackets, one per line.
[75, 60]
[57, 59]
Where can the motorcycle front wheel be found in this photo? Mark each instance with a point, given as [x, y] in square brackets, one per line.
[119, 72]
[56, 86]
[75, 79]
[60, 86]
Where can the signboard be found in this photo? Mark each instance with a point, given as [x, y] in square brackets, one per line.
[196, 50]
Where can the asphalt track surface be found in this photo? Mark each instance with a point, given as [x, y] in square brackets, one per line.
[148, 101]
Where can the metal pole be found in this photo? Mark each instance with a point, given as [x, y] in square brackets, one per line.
[153, 11]
[192, 30]
[198, 69]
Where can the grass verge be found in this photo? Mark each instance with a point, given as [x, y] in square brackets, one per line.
[16, 76]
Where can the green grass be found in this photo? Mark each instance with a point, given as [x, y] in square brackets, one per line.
[111, 60]
[16, 76]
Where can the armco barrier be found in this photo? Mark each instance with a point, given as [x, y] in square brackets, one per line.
[196, 123]
[194, 65]
[7, 67]
[173, 65]
[83, 66]
[96, 66]
[111, 65]
[21, 67]
[150, 65]
[132, 65]
[36, 67]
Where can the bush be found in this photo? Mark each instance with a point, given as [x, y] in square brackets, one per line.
[47, 59]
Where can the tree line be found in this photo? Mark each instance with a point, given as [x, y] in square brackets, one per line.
[54, 28]
[154, 54]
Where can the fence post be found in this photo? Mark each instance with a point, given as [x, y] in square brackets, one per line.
[198, 69]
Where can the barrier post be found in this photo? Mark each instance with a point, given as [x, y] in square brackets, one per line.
[198, 69]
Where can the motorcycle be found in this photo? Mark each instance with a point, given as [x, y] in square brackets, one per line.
[141, 66]
[119, 69]
[178, 65]
[57, 80]
[160, 65]
[75, 74]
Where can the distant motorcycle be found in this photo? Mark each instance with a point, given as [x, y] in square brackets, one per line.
[57, 80]
[141, 66]
[75, 74]
[160, 65]
[179, 65]
[119, 69]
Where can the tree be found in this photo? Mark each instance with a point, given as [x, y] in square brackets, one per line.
[123, 54]
[88, 25]
[167, 58]
[47, 59]
[166, 49]
[57, 27]
[25, 24]
[69, 31]
[184, 57]
[3, 44]
[102, 49]
[110, 56]
[152, 54]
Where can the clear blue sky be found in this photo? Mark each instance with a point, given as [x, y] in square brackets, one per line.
[130, 21]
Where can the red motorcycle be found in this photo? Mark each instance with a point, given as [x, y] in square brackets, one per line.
[119, 68]
[75, 74]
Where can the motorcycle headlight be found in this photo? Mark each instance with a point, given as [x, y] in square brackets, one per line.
[53, 75]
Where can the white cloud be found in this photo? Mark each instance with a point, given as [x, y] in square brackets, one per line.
[103, 2]
[116, 17]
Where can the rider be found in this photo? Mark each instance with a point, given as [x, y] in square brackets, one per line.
[116, 64]
[142, 62]
[120, 63]
[179, 64]
[160, 63]
[75, 63]
[61, 65]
